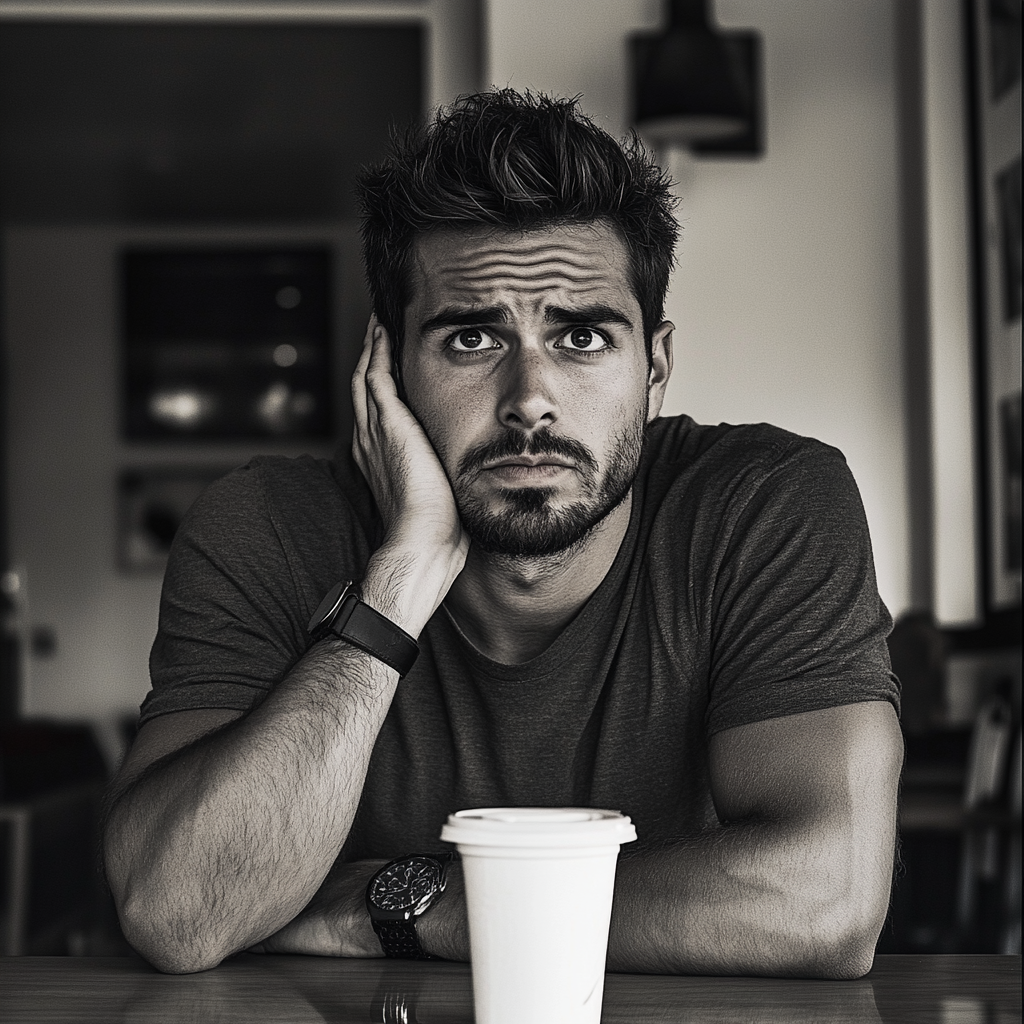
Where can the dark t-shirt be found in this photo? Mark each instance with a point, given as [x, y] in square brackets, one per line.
[743, 590]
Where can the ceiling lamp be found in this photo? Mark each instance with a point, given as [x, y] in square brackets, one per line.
[697, 86]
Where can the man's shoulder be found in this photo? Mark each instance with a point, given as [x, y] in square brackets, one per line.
[293, 479]
[288, 494]
[728, 476]
[679, 445]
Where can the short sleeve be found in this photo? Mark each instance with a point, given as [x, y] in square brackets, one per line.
[228, 627]
[796, 620]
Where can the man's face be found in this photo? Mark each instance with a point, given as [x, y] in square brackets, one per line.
[524, 360]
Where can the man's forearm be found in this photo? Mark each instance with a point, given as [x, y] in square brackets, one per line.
[749, 898]
[795, 882]
[226, 840]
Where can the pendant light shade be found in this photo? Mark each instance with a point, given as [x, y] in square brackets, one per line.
[696, 86]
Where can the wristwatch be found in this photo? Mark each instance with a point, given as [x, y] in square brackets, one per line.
[344, 614]
[402, 891]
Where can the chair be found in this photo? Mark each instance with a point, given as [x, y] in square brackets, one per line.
[988, 897]
[51, 784]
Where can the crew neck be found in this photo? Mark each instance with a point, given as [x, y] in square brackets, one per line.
[600, 607]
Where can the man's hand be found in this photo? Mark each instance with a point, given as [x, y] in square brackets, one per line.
[337, 923]
[423, 535]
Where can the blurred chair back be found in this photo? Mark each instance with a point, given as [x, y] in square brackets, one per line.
[988, 901]
[51, 784]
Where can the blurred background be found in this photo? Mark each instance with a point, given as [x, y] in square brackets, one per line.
[180, 288]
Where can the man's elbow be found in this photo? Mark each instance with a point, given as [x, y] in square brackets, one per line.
[156, 922]
[847, 958]
[845, 949]
[846, 912]
[160, 938]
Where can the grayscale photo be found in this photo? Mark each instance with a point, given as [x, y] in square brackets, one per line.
[510, 511]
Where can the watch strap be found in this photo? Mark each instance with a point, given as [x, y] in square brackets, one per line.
[344, 614]
[364, 627]
[399, 940]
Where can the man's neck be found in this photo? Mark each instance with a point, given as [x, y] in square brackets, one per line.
[512, 609]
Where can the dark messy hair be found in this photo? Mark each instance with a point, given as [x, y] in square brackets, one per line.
[515, 162]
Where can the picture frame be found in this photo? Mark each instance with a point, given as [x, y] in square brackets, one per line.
[227, 343]
[995, 62]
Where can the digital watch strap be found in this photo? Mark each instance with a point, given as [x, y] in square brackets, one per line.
[343, 614]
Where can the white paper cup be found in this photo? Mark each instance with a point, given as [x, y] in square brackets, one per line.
[539, 885]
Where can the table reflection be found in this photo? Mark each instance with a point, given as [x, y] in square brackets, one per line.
[385, 991]
[315, 990]
[222, 996]
[285, 989]
[635, 998]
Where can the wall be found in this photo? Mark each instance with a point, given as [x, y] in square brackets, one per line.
[787, 294]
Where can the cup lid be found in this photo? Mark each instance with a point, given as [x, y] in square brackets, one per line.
[538, 826]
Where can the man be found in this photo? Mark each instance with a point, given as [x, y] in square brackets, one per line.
[611, 609]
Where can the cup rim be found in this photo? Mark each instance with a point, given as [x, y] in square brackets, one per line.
[538, 826]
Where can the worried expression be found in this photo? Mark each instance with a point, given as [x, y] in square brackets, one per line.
[524, 360]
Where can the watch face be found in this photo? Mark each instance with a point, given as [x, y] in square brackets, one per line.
[405, 884]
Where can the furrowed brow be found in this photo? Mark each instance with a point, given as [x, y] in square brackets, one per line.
[593, 314]
[460, 316]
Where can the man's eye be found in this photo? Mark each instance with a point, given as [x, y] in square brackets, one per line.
[471, 340]
[583, 339]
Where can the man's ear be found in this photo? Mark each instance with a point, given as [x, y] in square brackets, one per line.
[660, 369]
[397, 351]
[396, 373]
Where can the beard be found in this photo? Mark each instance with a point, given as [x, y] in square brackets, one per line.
[528, 525]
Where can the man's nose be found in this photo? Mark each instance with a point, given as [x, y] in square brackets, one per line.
[527, 399]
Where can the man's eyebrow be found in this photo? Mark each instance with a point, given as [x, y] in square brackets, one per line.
[593, 314]
[459, 316]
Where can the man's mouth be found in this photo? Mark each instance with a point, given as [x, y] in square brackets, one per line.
[542, 454]
[530, 462]
[533, 470]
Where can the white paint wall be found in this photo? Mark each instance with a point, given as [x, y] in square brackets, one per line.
[786, 299]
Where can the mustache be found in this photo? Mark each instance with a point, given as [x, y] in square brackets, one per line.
[515, 442]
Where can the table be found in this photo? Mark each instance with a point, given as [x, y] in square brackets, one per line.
[315, 990]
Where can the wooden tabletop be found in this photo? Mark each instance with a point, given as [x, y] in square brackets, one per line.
[314, 990]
